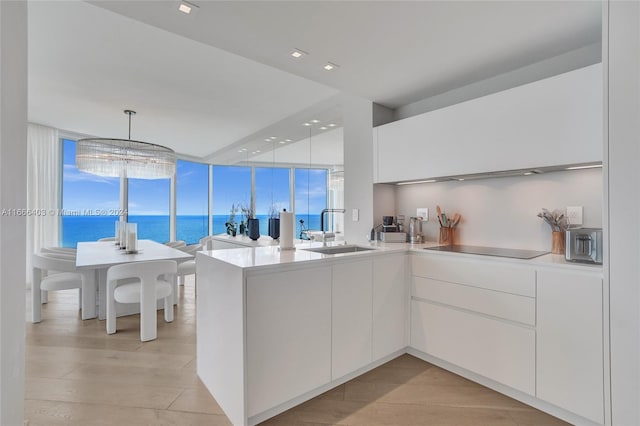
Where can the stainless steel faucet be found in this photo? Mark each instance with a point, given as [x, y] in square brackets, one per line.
[328, 211]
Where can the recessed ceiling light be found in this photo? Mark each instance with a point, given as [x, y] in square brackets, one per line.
[323, 128]
[460, 179]
[527, 173]
[186, 7]
[282, 142]
[273, 137]
[287, 140]
[241, 150]
[315, 121]
[267, 140]
[591, 166]
[297, 53]
[307, 124]
[257, 150]
[330, 66]
[331, 125]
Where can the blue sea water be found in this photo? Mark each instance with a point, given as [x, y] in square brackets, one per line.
[188, 228]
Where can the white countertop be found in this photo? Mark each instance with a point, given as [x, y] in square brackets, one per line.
[269, 254]
[263, 241]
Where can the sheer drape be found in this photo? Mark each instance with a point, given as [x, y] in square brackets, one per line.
[43, 189]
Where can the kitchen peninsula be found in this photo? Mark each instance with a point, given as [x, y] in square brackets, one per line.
[276, 328]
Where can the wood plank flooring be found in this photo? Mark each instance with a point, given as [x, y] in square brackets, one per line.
[76, 374]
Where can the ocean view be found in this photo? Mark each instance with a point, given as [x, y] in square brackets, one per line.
[189, 228]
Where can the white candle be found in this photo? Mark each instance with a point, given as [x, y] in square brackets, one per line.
[123, 235]
[132, 241]
[132, 237]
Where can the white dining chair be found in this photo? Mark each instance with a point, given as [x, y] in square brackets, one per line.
[175, 244]
[60, 250]
[153, 281]
[207, 242]
[55, 251]
[187, 267]
[51, 272]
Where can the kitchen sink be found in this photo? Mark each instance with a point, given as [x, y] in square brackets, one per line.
[338, 249]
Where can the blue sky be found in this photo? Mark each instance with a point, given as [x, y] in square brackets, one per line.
[231, 185]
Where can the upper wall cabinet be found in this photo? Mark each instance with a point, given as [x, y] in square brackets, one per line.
[550, 122]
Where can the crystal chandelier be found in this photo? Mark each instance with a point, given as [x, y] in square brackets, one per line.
[125, 157]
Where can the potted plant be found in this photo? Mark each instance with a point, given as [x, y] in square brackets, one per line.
[274, 222]
[231, 224]
[253, 225]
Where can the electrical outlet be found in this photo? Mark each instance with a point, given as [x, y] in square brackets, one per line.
[574, 215]
[423, 212]
[355, 215]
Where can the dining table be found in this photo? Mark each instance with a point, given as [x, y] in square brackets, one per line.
[98, 256]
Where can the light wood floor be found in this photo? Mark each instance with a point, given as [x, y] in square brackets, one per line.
[78, 375]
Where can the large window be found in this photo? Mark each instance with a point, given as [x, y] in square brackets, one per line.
[272, 193]
[231, 187]
[192, 204]
[310, 197]
[149, 207]
[90, 203]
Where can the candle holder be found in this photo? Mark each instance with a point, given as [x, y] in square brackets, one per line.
[132, 238]
[122, 235]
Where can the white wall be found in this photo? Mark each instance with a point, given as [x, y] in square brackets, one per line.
[13, 188]
[358, 167]
[502, 212]
[621, 58]
[573, 60]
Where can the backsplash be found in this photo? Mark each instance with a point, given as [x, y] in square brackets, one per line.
[500, 212]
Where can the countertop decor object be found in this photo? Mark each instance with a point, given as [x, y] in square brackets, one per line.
[231, 224]
[448, 227]
[274, 222]
[114, 157]
[559, 224]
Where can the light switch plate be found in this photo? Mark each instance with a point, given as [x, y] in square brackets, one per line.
[355, 215]
[574, 214]
[423, 212]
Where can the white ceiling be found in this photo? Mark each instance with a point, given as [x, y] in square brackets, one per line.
[86, 65]
[221, 75]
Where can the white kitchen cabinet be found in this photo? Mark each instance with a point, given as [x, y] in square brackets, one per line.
[351, 301]
[570, 366]
[288, 344]
[390, 304]
[499, 350]
[550, 122]
[476, 314]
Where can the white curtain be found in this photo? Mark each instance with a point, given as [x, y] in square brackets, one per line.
[43, 190]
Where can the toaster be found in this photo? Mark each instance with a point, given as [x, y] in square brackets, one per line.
[584, 245]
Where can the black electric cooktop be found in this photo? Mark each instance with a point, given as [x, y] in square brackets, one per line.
[490, 251]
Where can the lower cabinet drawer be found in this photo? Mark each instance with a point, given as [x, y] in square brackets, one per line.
[498, 350]
[509, 306]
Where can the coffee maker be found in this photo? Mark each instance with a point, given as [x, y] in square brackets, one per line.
[389, 224]
[393, 230]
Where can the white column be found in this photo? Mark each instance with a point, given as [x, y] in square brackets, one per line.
[358, 167]
[13, 187]
[621, 58]
[173, 224]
